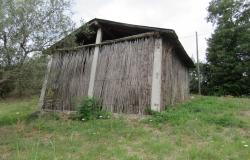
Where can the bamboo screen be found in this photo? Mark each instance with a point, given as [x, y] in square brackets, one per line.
[175, 77]
[123, 77]
[68, 79]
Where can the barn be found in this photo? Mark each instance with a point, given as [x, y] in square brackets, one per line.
[130, 68]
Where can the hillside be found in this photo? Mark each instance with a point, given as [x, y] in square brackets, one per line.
[202, 128]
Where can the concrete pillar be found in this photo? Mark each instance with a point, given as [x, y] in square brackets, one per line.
[44, 87]
[156, 77]
[94, 63]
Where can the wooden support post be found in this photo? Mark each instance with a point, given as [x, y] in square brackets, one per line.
[156, 77]
[94, 63]
[45, 82]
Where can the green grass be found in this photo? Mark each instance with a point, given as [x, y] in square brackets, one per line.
[209, 128]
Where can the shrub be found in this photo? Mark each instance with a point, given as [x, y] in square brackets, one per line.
[90, 108]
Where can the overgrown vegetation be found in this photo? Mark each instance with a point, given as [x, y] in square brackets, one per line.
[90, 108]
[202, 128]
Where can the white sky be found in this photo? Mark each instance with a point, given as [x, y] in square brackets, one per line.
[184, 16]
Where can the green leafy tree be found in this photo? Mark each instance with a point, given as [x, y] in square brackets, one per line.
[204, 76]
[228, 52]
[27, 27]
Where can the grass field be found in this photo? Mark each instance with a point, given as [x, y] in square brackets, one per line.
[204, 128]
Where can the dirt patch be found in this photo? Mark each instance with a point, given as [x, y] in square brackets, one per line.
[47, 138]
[245, 113]
[5, 154]
[244, 132]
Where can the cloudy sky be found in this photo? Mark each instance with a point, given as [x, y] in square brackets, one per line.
[184, 16]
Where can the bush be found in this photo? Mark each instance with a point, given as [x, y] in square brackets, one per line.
[5, 88]
[90, 108]
[6, 85]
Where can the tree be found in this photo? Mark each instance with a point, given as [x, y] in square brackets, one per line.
[27, 27]
[228, 53]
[204, 76]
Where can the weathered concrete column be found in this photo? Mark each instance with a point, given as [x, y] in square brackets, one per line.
[45, 82]
[94, 63]
[156, 77]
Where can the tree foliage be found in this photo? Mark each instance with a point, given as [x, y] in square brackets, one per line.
[204, 76]
[228, 53]
[27, 27]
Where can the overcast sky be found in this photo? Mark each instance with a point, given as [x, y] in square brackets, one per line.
[184, 16]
